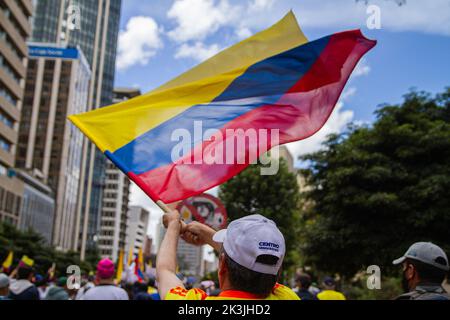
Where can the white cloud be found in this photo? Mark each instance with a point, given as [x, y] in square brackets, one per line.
[197, 19]
[259, 5]
[243, 33]
[199, 51]
[348, 93]
[138, 42]
[362, 69]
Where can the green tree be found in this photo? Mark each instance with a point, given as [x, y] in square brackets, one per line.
[275, 197]
[378, 189]
[30, 243]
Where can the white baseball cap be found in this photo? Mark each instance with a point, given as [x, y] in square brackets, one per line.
[426, 252]
[249, 238]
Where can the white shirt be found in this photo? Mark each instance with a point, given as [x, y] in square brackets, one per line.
[105, 292]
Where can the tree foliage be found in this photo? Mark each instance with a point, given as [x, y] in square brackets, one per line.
[376, 190]
[33, 245]
[275, 197]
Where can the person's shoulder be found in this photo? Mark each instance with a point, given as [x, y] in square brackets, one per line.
[283, 292]
[109, 288]
[92, 291]
[32, 292]
[320, 295]
[341, 296]
[331, 295]
[419, 295]
[105, 293]
[180, 293]
[123, 295]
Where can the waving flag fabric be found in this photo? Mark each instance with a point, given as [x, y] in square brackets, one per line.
[279, 84]
[119, 267]
[137, 270]
[8, 261]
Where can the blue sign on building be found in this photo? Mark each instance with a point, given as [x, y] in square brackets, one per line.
[52, 52]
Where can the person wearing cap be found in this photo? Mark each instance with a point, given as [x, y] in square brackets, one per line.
[251, 253]
[105, 288]
[425, 266]
[329, 292]
[4, 286]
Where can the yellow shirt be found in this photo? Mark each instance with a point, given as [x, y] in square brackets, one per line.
[279, 292]
[330, 295]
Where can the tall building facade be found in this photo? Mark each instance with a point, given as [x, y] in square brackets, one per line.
[190, 258]
[93, 25]
[138, 219]
[57, 85]
[38, 206]
[15, 28]
[113, 222]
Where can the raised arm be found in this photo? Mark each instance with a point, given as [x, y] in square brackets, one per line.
[166, 262]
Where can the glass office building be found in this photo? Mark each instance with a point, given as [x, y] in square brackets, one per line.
[93, 25]
[57, 85]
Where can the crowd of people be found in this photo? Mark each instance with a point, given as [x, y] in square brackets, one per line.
[24, 284]
[251, 252]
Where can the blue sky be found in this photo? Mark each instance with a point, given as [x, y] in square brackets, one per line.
[160, 39]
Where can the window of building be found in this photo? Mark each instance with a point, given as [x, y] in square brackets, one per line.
[3, 172]
[9, 69]
[7, 120]
[5, 145]
[8, 96]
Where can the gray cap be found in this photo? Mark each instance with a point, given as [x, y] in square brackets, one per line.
[4, 281]
[428, 253]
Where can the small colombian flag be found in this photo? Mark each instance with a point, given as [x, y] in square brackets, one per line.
[8, 261]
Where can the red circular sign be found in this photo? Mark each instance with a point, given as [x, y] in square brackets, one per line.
[205, 209]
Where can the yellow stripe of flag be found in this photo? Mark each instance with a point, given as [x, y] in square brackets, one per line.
[120, 267]
[130, 256]
[141, 260]
[8, 261]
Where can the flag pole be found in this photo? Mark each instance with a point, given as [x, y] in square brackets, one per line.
[164, 207]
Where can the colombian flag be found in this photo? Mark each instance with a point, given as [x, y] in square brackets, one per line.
[119, 267]
[8, 262]
[137, 269]
[275, 80]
